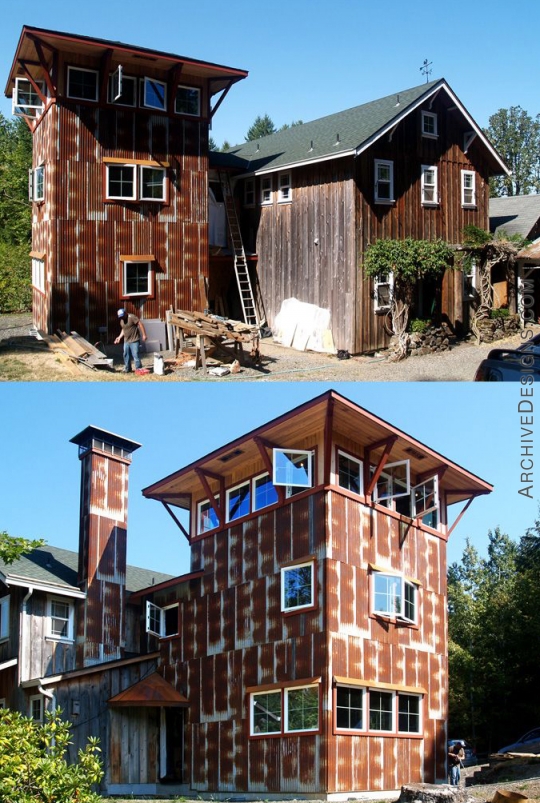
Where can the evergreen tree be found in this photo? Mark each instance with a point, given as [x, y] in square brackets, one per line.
[261, 127]
[516, 136]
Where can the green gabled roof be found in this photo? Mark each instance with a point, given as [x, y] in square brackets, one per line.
[57, 568]
[343, 134]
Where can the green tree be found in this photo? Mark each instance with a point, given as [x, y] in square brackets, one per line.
[516, 136]
[15, 161]
[294, 123]
[33, 767]
[13, 548]
[407, 261]
[261, 127]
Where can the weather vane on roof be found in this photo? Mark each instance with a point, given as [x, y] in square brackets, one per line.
[425, 69]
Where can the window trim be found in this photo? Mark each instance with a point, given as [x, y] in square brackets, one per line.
[353, 459]
[125, 78]
[287, 691]
[150, 274]
[377, 282]
[196, 89]
[228, 492]
[384, 473]
[4, 617]
[285, 688]
[200, 505]
[267, 192]
[38, 181]
[137, 180]
[285, 188]
[365, 696]
[304, 606]
[152, 607]
[38, 272]
[145, 81]
[434, 186]
[15, 105]
[31, 700]
[433, 117]
[265, 734]
[249, 192]
[419, 697]
[390, 183]
[70, 637]
[140, 193]
[255, 509]
[464, 175]
[111, 166]
[435, 505]
[308, 454]
[82, 69]
[393, 695]
[404, 583]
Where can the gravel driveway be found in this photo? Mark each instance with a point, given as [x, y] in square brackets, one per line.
[279, 362]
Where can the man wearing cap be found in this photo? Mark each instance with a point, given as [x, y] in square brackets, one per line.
[455, 762]
[132, 330]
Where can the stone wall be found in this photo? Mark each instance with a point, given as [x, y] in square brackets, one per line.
[492, 329]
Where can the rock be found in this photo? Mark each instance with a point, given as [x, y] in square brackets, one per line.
[433, 793]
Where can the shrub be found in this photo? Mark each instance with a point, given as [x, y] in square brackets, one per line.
[419, 325]
[502, 312]
[15, 278]
[32, 763]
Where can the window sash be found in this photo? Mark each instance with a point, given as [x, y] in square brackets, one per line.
[137, 277]
[383, 289]
[266, 190]
[350, 473]
[121, 182]
[292, 467]
[152, 183]
[82, 84]
[60, 620]
[127, 87]
[4, 618]
[25, 96]
[35, 705]
[409, 713]
[381, 711]
[154, 94]
[429, 124]
[298, 586]
[394, 482]
[394, 596]
[249, 192]
[429, 185]
[207, 519]
[349, 708]
[284, 192]
[425, 497]
[468, 188]
[301, 709]
[266, 715]
[264, 492]
[38, 274]
[384, 180]
[238, 501]
[188, 101]
[38, 184]
[162, 622]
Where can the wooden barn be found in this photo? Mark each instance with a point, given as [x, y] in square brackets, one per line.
[305, 652]
[119, 183]
[313, 197]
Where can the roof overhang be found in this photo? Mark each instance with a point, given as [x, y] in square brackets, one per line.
[37, 46]
[11, 580]
[348, 419]
[8, 664]
[106, 666]
[172, 583]
[531, 252]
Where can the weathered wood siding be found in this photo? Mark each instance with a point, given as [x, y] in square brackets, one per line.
[82, 236]
[306, 248]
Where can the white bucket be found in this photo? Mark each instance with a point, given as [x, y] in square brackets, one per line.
[158, 364]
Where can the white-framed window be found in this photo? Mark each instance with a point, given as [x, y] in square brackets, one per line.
[188, 101]
[383, 287]
[122, 89]
[266, 190]
[4, 618]
[35, 708]
[429, 186]
[293, 709]
[469, 281]
[468, 188]
[293, 468]
[384, 181]
[425, 498]
[162, 622]
[350, 473]
[60, 616]
[129, 182]
[394, 481]
[381, 711]
[153, 94]
[38, 274]
[284, 188]
[409, 713]
[137, 278]
[25, 99]
[264, 493]
[298, 586]
[238, 501]
[349, 713]
[207, 518]
[36, 184]
[82, 84]
[394, 596]
[429, 125]
[249, 192]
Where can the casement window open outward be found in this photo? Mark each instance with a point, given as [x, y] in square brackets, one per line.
[162, 622]
[298, 586]
[394, 596]
[293, 468]
[25, 100]
[394, 490]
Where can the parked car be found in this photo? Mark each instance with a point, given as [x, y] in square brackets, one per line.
[529, 743]
[470, 752]
[511, 364]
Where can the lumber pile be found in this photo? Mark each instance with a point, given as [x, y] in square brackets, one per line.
[75, 348]
[212, 331]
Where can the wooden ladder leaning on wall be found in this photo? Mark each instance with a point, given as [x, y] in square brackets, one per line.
[250, 308]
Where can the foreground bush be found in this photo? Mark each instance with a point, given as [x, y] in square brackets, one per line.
[15, 278]
[33, 768]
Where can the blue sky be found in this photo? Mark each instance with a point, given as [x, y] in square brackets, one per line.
[307, 58]
[474, 424]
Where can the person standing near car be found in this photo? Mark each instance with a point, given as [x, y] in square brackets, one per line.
[132, 331]
[455, 762]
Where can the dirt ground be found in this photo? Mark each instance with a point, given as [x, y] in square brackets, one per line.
[23, 358]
